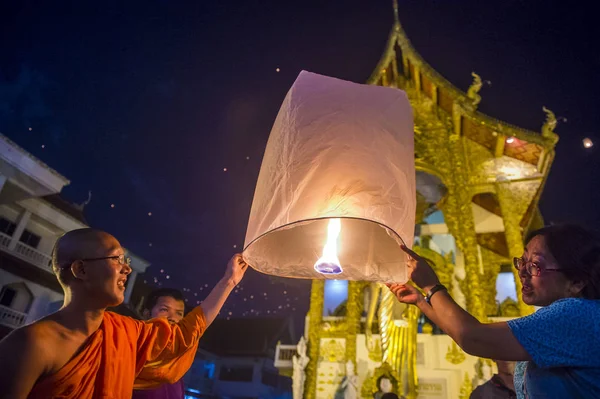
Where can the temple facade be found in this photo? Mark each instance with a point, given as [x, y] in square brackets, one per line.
[479, 181]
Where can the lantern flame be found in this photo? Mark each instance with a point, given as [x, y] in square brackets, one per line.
[329, 262]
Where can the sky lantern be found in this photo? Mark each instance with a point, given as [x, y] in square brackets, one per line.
[335, 196]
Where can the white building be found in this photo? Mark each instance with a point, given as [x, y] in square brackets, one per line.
[32, 217]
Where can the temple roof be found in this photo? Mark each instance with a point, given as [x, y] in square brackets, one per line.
[499, 149]
[522, 144]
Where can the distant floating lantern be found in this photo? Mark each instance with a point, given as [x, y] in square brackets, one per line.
[335, 196]
[588, 143]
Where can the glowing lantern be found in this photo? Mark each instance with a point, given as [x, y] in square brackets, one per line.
[588, 143]
[335, 196]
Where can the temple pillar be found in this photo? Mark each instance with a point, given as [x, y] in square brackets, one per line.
[315, 318]
[459, 219]
[513, 206]
[353, 314]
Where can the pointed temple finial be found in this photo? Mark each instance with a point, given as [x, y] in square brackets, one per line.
[396, 18]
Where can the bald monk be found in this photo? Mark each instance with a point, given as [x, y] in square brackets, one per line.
[83, 351]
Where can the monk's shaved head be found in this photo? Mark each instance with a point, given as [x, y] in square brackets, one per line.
[76, 245]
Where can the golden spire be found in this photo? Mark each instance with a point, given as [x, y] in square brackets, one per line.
[396, 18]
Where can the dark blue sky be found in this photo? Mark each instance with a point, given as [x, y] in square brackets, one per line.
[145, 103]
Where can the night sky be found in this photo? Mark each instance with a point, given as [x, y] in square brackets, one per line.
[163, 108]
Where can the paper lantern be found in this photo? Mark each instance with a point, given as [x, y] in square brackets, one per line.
[335, 196]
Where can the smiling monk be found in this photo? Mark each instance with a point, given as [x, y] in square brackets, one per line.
[82, 351]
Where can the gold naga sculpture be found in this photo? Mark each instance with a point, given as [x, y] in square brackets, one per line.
[550, 123]
[473, 91]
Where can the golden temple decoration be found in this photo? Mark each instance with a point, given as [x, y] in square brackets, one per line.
[427, 328]
[455, 355]
[550, 123]
[466, 388]
[492, 264]
[399, 340]
[509, 308]
[353, 314]
[514, 200]
[472, 154]
[473, 91]
[376, 353]
[370, 387]
[315, 317]
[333, 351]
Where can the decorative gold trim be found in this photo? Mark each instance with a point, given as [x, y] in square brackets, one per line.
[455, 355]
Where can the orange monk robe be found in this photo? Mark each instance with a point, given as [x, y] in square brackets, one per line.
[120, 350]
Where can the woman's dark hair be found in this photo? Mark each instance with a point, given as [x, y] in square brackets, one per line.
[577, 252]
[389, 395]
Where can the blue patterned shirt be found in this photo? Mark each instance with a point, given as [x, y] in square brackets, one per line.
[563, 340]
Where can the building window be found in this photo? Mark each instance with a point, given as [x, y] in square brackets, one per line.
[30, 239]
[505, 285]
[7, 227]
[7, 295]
[240, 374]
[335, 298]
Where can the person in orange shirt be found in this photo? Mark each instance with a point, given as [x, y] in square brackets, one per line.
[168, 303]
[83, 351]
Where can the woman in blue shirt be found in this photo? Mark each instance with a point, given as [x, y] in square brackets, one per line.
[558, 346]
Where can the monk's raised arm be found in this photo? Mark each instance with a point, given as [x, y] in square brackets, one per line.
[23, 360]
[166, 351]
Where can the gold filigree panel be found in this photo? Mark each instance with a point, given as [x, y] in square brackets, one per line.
[523, 151]
[332, 350]
[489, 202]
[445, 101]
[389, 74]
[454, 354]
[492, 258]
[505, 169]
[427, 86]
[495, 242]
[533, 217]
[479, 133]
[518, 196]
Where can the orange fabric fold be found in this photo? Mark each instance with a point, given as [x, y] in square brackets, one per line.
[122, 348]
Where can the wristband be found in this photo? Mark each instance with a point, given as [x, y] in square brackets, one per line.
[433, 290]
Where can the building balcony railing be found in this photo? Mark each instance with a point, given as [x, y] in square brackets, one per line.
[11, 318]
[284, 355]
[25, 252]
